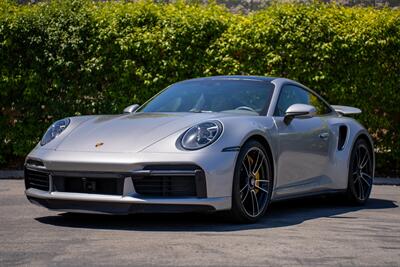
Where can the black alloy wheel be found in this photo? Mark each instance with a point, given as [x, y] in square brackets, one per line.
[252, 183]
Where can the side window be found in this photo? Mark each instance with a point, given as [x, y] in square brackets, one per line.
[291, 94]
[321, 107]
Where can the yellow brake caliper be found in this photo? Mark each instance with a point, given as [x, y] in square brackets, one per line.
[256, 175]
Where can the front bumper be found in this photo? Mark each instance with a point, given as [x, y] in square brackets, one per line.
[91, 203]
[212, 191]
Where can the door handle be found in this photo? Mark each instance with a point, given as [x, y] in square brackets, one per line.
[324, 135]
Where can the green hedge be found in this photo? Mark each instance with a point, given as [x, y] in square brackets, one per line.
[62, 58]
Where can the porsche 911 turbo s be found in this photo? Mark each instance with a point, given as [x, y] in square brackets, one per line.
[224, 143]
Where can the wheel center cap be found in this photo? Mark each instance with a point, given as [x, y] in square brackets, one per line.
[252, 182]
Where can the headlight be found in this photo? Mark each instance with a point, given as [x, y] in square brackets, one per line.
[54, 130]
[201, 135]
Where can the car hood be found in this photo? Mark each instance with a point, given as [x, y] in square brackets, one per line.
[128, 133]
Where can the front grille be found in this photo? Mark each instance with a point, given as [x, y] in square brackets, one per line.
[37, 179]
[178, 186]
[89, 185]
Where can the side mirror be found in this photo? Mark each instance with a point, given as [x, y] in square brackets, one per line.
[131, 108]
[299, 111]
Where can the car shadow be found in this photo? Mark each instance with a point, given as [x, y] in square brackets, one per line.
[281, 214]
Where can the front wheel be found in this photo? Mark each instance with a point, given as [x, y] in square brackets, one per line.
[361, 173]
[252, 183]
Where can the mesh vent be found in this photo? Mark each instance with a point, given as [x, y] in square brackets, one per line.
[37, 179]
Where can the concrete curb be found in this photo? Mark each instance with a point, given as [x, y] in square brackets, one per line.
[386, 181]
[19, 174]
[11, 174]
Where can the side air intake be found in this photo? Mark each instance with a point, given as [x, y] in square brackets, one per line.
[342, 137]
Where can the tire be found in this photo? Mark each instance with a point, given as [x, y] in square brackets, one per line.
[361, 173]
[252, 183]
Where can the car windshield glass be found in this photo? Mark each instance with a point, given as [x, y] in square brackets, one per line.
[219, 95]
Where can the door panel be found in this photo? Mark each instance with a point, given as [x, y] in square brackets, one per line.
[303, 143]
[303, 154]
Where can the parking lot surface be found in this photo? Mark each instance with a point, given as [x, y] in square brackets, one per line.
[310, 232]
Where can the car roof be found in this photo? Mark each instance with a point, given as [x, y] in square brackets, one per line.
[234, 77]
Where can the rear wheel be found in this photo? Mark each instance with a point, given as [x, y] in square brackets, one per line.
[361, 173]
[252, 183]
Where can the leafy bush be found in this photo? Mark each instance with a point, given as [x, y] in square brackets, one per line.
[62, 58]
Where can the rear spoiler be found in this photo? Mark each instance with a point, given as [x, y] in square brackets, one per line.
[344, 110]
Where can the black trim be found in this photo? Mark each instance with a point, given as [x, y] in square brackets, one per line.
[231, 149]
[88, 185]
[117, 208]
[342, 137]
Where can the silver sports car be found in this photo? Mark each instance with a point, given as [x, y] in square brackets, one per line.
[225, 143]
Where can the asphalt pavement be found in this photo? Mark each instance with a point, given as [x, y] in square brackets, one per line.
[310, 232]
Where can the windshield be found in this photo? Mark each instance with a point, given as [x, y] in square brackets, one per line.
[218, 95]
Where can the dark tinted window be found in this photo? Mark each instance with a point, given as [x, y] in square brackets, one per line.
[291, 94]
[213, 95]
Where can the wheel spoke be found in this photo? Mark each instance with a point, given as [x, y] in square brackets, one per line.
[364, 161]
[256, 163]
[262, 189]
[365, 179]
[257, 167]
[252, 201]
[245, 196]
[249, 165]
[263, 181]
[358, 158]
[360, 187]
[244, 188]
[366, 174]
[245, 167]
[256, 201]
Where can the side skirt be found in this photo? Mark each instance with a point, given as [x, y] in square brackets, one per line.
[309, 194]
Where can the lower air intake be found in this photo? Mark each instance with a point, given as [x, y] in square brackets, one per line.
[179, 186]
[37, 179]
